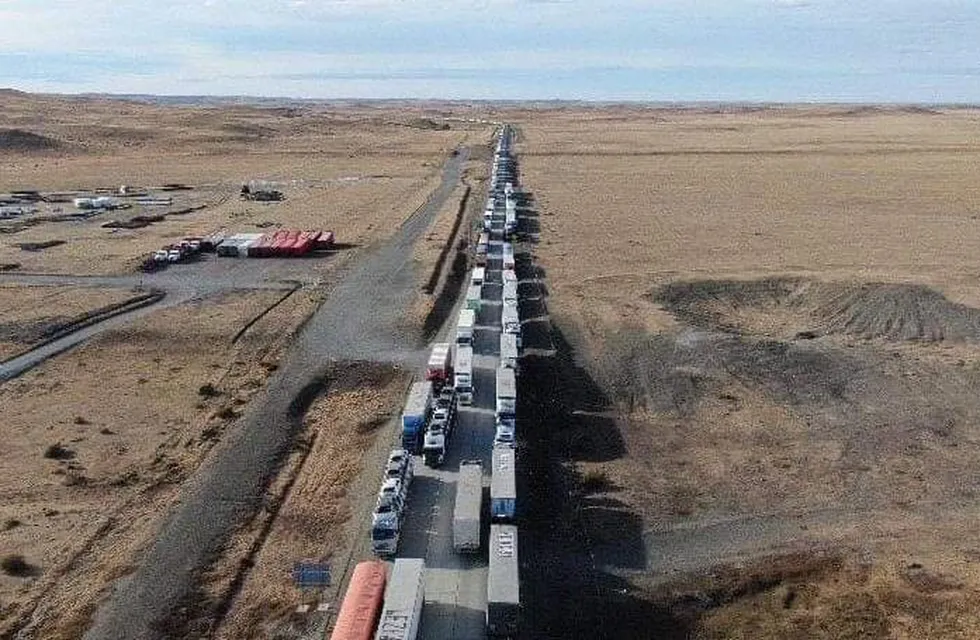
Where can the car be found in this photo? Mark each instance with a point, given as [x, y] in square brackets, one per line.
[174, 255]
[160, 255]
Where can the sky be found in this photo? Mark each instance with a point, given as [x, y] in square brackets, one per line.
[905, 51]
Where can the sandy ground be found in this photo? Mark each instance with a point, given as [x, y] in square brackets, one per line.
[733, 432]
[31, 313]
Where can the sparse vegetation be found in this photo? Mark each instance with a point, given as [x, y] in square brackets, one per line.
[208, 390]
[16, 565]
[58, 451]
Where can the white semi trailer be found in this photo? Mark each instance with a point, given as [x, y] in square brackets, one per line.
[404, 596]
[464, 326]
[508, 351]
[503, 583]
[468, 508]
[506, 395]
[463, 375]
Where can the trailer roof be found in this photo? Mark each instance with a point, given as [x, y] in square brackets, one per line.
[503, 579]
[469, 492]
[503, 482]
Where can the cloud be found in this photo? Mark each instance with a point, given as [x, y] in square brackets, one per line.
[508, 48]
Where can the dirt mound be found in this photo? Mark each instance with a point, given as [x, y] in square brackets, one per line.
[807, 309]
[20, 140]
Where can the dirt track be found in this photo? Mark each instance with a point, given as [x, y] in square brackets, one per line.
[359, 320]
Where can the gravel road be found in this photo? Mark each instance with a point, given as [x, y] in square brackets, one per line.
[361, 319]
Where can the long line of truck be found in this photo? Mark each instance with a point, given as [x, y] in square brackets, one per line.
[427, 424]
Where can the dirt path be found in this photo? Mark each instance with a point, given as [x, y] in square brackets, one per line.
[361, 319]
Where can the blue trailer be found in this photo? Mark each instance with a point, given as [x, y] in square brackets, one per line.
[416, 415]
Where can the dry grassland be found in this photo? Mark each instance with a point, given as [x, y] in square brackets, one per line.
[32, 313]
[135, 411]
[359, 173]
[831, 405]
[134, 421]
[311, 506]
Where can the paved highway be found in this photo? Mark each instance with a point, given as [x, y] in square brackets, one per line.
[455, 584]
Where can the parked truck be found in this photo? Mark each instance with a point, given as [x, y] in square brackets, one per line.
[510, 322]
[506, 406]
[477, 276]
[508, 351]
[440, 429]
[464, 326]
[404, 596]
[503, 485]
[508, 253]
[385, 535]
[474, 297]
[468, 508]
[361, 608]
[439, 368]
[509, 295]
[482, 248]
[503, 583]
[416, 415]
[463, 374]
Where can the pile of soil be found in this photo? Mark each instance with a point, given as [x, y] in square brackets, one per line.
[808, 309]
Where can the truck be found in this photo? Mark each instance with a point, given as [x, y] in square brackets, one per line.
[464, 326]
[439, 368]
[385, 534]
[440, 428]
[510, 322]
[508, 351]
[508, 275]
[404, 596]
[506, 405]
[508, 253]
[482, 249]
[503, 583]
[477, 277]
[510, 217]
[435, 443]
[503, 485]
[509, 295]
[359, 612]
[474, 297]
[463, 381]
[468, 507]
[416, 415]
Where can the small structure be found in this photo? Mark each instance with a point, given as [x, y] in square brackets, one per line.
[260, 192]
[237, 246]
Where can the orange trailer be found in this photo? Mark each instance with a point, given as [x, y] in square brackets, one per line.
[358, 617]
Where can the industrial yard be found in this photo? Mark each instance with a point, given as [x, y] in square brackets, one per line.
[714, 370]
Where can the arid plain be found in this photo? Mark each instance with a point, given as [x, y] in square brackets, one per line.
[763, 411]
